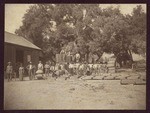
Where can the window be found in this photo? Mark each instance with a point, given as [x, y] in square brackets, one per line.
[28, 58]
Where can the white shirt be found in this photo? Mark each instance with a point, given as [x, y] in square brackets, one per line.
[30, 66]
[77, 55]
[81, 66]
[40, 66]
[70, 65]
[95, 66]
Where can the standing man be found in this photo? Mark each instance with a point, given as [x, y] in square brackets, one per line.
[63, 55]
[40, 66]
[47, 68]
[9, 71]
[40, 70]
[77, 57]
[34, 71]
[30, 70]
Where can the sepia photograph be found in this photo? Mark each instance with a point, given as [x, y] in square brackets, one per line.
[75, 56]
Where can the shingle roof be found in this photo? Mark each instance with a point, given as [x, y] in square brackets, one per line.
[18, 40]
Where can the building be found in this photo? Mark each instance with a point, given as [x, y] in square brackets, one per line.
[19, 50]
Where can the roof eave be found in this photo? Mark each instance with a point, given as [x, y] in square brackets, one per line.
[24, 46]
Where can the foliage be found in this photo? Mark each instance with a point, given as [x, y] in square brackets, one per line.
[84, 28]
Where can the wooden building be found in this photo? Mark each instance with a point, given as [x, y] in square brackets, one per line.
[19, 50]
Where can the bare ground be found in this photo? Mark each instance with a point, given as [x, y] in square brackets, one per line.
[73, 94]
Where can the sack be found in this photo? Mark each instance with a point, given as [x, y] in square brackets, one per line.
[39, 76]
[39, 72]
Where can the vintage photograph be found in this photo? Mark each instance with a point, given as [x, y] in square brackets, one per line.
[75, 56]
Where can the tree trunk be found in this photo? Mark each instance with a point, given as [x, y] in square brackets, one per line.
[99, 56]
[130, 55]
[117, 59]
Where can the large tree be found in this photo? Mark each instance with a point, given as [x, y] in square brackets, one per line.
[92, 29]
[137, 30]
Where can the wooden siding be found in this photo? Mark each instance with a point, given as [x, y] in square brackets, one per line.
[10, 54]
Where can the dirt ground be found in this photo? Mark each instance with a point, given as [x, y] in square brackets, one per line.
[73, 94]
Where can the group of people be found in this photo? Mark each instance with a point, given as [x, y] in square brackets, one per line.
[82, 68]
[31, 70]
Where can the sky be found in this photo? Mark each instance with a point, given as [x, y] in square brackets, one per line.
[14, 13]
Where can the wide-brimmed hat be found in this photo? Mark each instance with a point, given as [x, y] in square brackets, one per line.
[9, 62]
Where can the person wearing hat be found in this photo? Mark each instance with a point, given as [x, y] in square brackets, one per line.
[9, 71]
[47, 68]
[30, 70]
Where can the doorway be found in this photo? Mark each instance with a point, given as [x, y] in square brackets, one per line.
[19, 56]
[19, 59]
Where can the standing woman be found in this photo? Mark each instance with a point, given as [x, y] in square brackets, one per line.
[9, 71]
[21, 72]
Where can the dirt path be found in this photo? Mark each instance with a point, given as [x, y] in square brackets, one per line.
[73, 94]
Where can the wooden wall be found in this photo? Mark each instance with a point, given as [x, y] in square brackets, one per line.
[10, 54]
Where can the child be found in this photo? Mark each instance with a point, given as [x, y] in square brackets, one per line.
[9, 71]
[21, 72]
